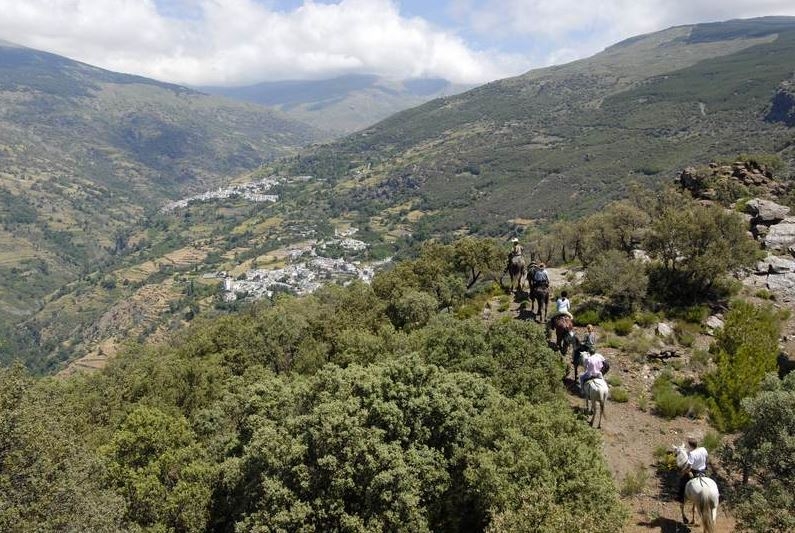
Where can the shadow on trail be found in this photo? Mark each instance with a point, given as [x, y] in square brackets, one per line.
[666, 525]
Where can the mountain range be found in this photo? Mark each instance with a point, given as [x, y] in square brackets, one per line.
[85, 153]
[343, 104]
[567, 139]
[88, 156]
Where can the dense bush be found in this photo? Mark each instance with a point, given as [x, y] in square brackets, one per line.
[355, 408]
[744, 351]
[765, 455]
[621, 279]
[671, 403]
[696, 247]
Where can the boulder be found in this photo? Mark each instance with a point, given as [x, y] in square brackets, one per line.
[664, 330]
[782, 285]
[641, 255]
[781, 236]
[713, 324]
[774, 264]
[766, 212]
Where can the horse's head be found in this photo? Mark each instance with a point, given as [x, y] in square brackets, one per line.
[681, 455]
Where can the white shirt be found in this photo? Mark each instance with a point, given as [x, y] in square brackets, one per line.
[563, 305]
[697, 459]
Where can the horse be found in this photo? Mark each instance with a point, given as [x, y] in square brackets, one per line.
[701, 492]
[595, 390]
[539, 295]
[517, 268]
[563, 325]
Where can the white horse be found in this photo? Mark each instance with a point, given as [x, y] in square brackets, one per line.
[701, 492]
[595, 390]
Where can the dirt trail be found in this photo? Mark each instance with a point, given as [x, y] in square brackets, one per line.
[631, 434]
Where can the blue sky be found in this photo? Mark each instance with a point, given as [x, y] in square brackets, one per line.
[237, 42]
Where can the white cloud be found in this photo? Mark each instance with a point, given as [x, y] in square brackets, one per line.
[242, 41]
[570, 29]
[233, 42]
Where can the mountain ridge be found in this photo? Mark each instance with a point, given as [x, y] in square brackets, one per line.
[566, 139]
[85, 153]
[342, 104]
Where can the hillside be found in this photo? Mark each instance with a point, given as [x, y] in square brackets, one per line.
[567, 139]
[85, 153]
[554, 142]
[344, 104]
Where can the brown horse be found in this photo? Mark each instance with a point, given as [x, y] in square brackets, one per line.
[539, 295]
[539, 299]
[563, 326]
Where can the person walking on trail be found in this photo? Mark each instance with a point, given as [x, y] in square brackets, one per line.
[589, 340]
[594, 365]
[697, 458]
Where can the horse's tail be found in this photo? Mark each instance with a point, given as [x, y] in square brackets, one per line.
[603, 401]
[708, 508]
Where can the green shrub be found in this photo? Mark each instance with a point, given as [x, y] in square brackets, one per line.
[619, 395]
[615, 343]
[700, 360]
[635, 481]
[587, 316]
[613, 380]
[686, 332]
[643, 402]
[621, 279]
[639, 343]
[670, 403]
[711, 441]
[646, 319]
[765, 294]
[744, 351]
[666, 461]
[623, 326]
[695, 314]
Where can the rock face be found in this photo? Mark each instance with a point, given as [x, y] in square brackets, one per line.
[782, 285]
[766, 212]
[782, 106]
[713, 324]
[774, 264]
[664, 330]
[781, 236]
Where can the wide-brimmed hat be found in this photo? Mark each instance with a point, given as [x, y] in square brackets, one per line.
[514, 240]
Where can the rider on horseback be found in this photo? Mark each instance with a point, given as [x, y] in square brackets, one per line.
[697, 457]
[594, 365]
[541, 276]
[516, 251]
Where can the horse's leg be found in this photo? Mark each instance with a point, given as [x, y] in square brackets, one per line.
[601, 411]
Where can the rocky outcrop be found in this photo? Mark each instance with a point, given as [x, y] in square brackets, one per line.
[780, 236]
[711, 182]
[664, 330]
[782, 105]
[766, 212]
[713, 324]
[774, 264]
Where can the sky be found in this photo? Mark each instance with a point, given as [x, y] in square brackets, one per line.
[241, 42]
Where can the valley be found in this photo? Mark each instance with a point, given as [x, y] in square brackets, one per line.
[218, 316]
